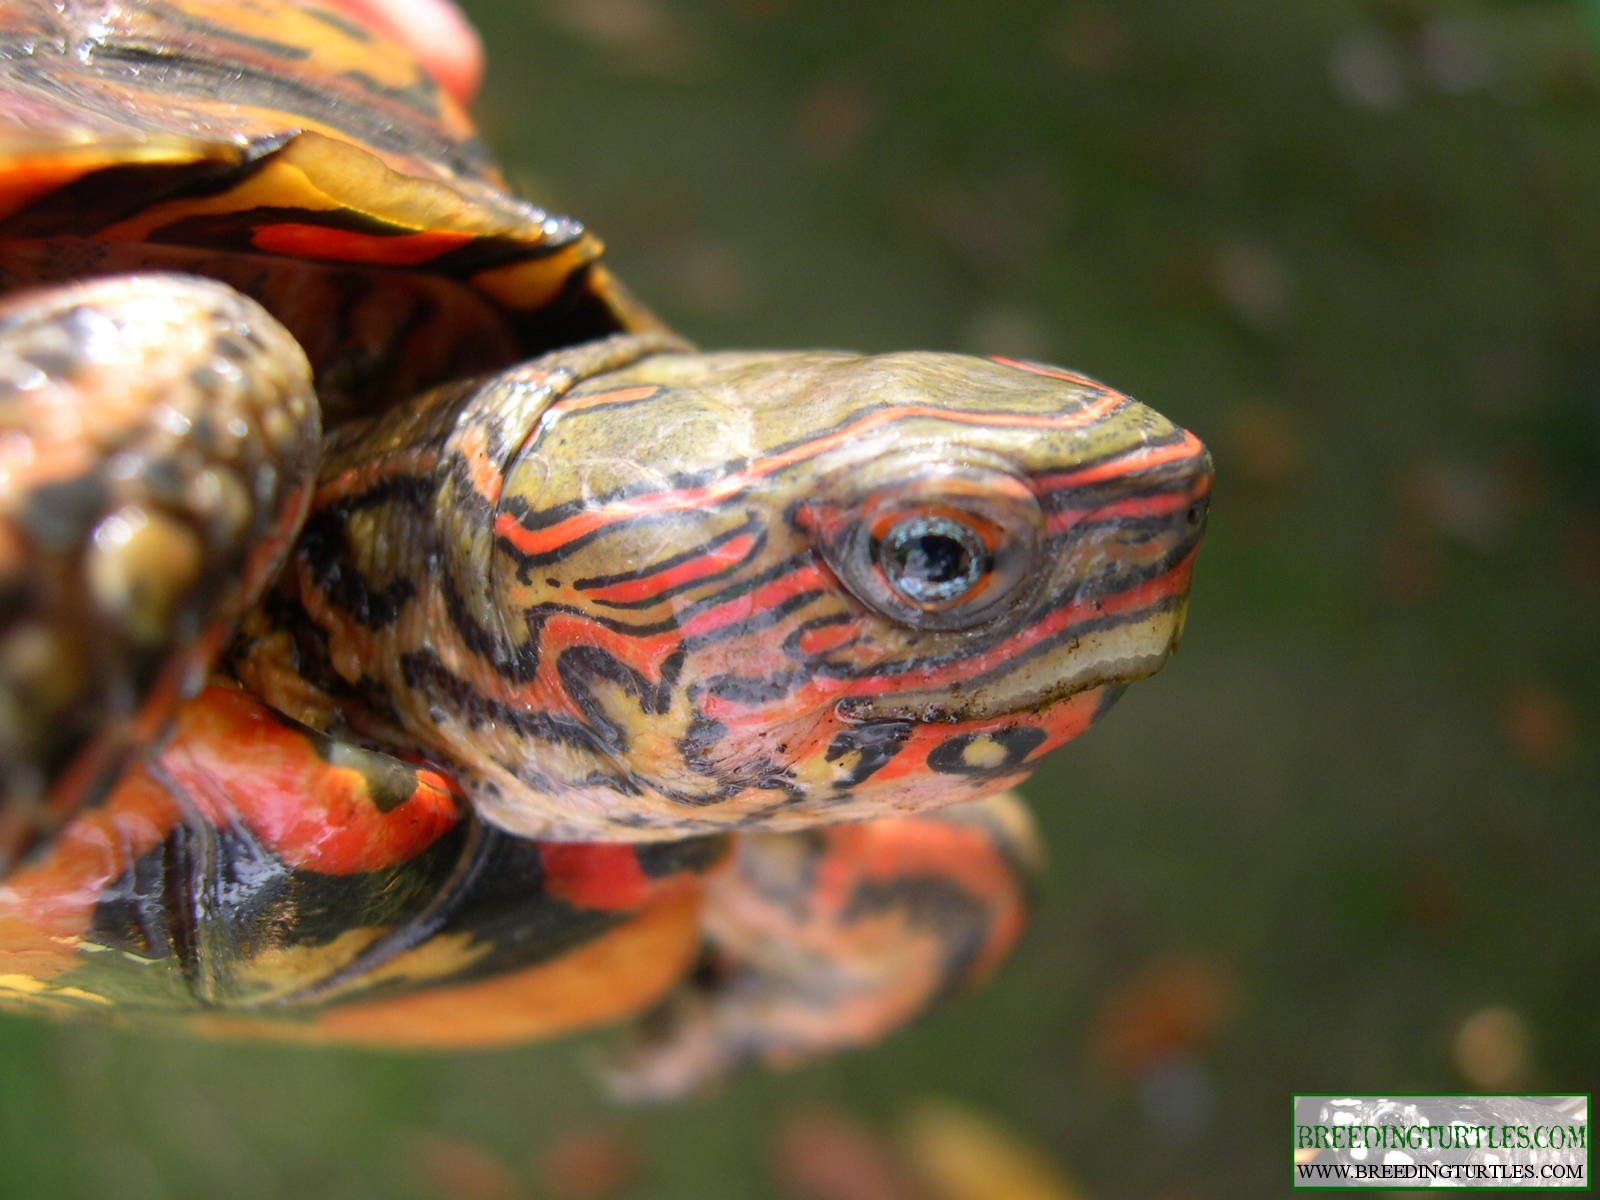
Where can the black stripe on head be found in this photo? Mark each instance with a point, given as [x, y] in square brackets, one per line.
[969, 753]
[876, 742]
[683, 481]
[751, 525]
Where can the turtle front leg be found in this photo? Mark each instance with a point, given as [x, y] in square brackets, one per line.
[833, 938]
[158, 438]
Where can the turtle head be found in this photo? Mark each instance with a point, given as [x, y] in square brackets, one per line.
[647, 595]
[783, 588]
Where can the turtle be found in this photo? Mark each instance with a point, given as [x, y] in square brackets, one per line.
[407, 640]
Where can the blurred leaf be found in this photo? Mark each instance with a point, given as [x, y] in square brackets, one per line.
[455, 1169]
[964, 1156]
[821, 1154]
[589, 1163]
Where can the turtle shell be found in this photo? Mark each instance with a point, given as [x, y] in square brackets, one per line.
[299, 157]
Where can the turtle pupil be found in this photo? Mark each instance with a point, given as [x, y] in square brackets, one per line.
[933, 560]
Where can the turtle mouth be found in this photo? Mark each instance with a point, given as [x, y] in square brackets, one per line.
[1079, 658]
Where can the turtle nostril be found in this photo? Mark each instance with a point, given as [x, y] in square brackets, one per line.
[1195, 515]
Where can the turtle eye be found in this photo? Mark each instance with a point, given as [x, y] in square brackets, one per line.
[933, 561]
[928, 543]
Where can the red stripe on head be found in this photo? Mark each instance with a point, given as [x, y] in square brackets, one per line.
[742, 608]
[1134, 509]
[1125, 464]
[1048, 372]
[713, 562]
[356, 480]
[823, 690]
[483, 473]
[572, 404]
[551, 538]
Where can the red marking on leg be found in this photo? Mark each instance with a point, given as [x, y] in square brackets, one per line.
[908, 848]
[238, 760]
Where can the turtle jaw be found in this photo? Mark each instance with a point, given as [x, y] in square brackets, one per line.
[1105, 628]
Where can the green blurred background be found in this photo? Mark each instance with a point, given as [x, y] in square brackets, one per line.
[1347, 839]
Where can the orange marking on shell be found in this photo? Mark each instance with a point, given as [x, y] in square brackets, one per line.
[553, 537]
[47, 903]
[619, 973]
[344, 245]
[33, 461]
[25, 180]
[239, 761]
[13, 549]
[533, 283]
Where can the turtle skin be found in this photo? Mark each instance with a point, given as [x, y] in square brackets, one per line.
[406, 640]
